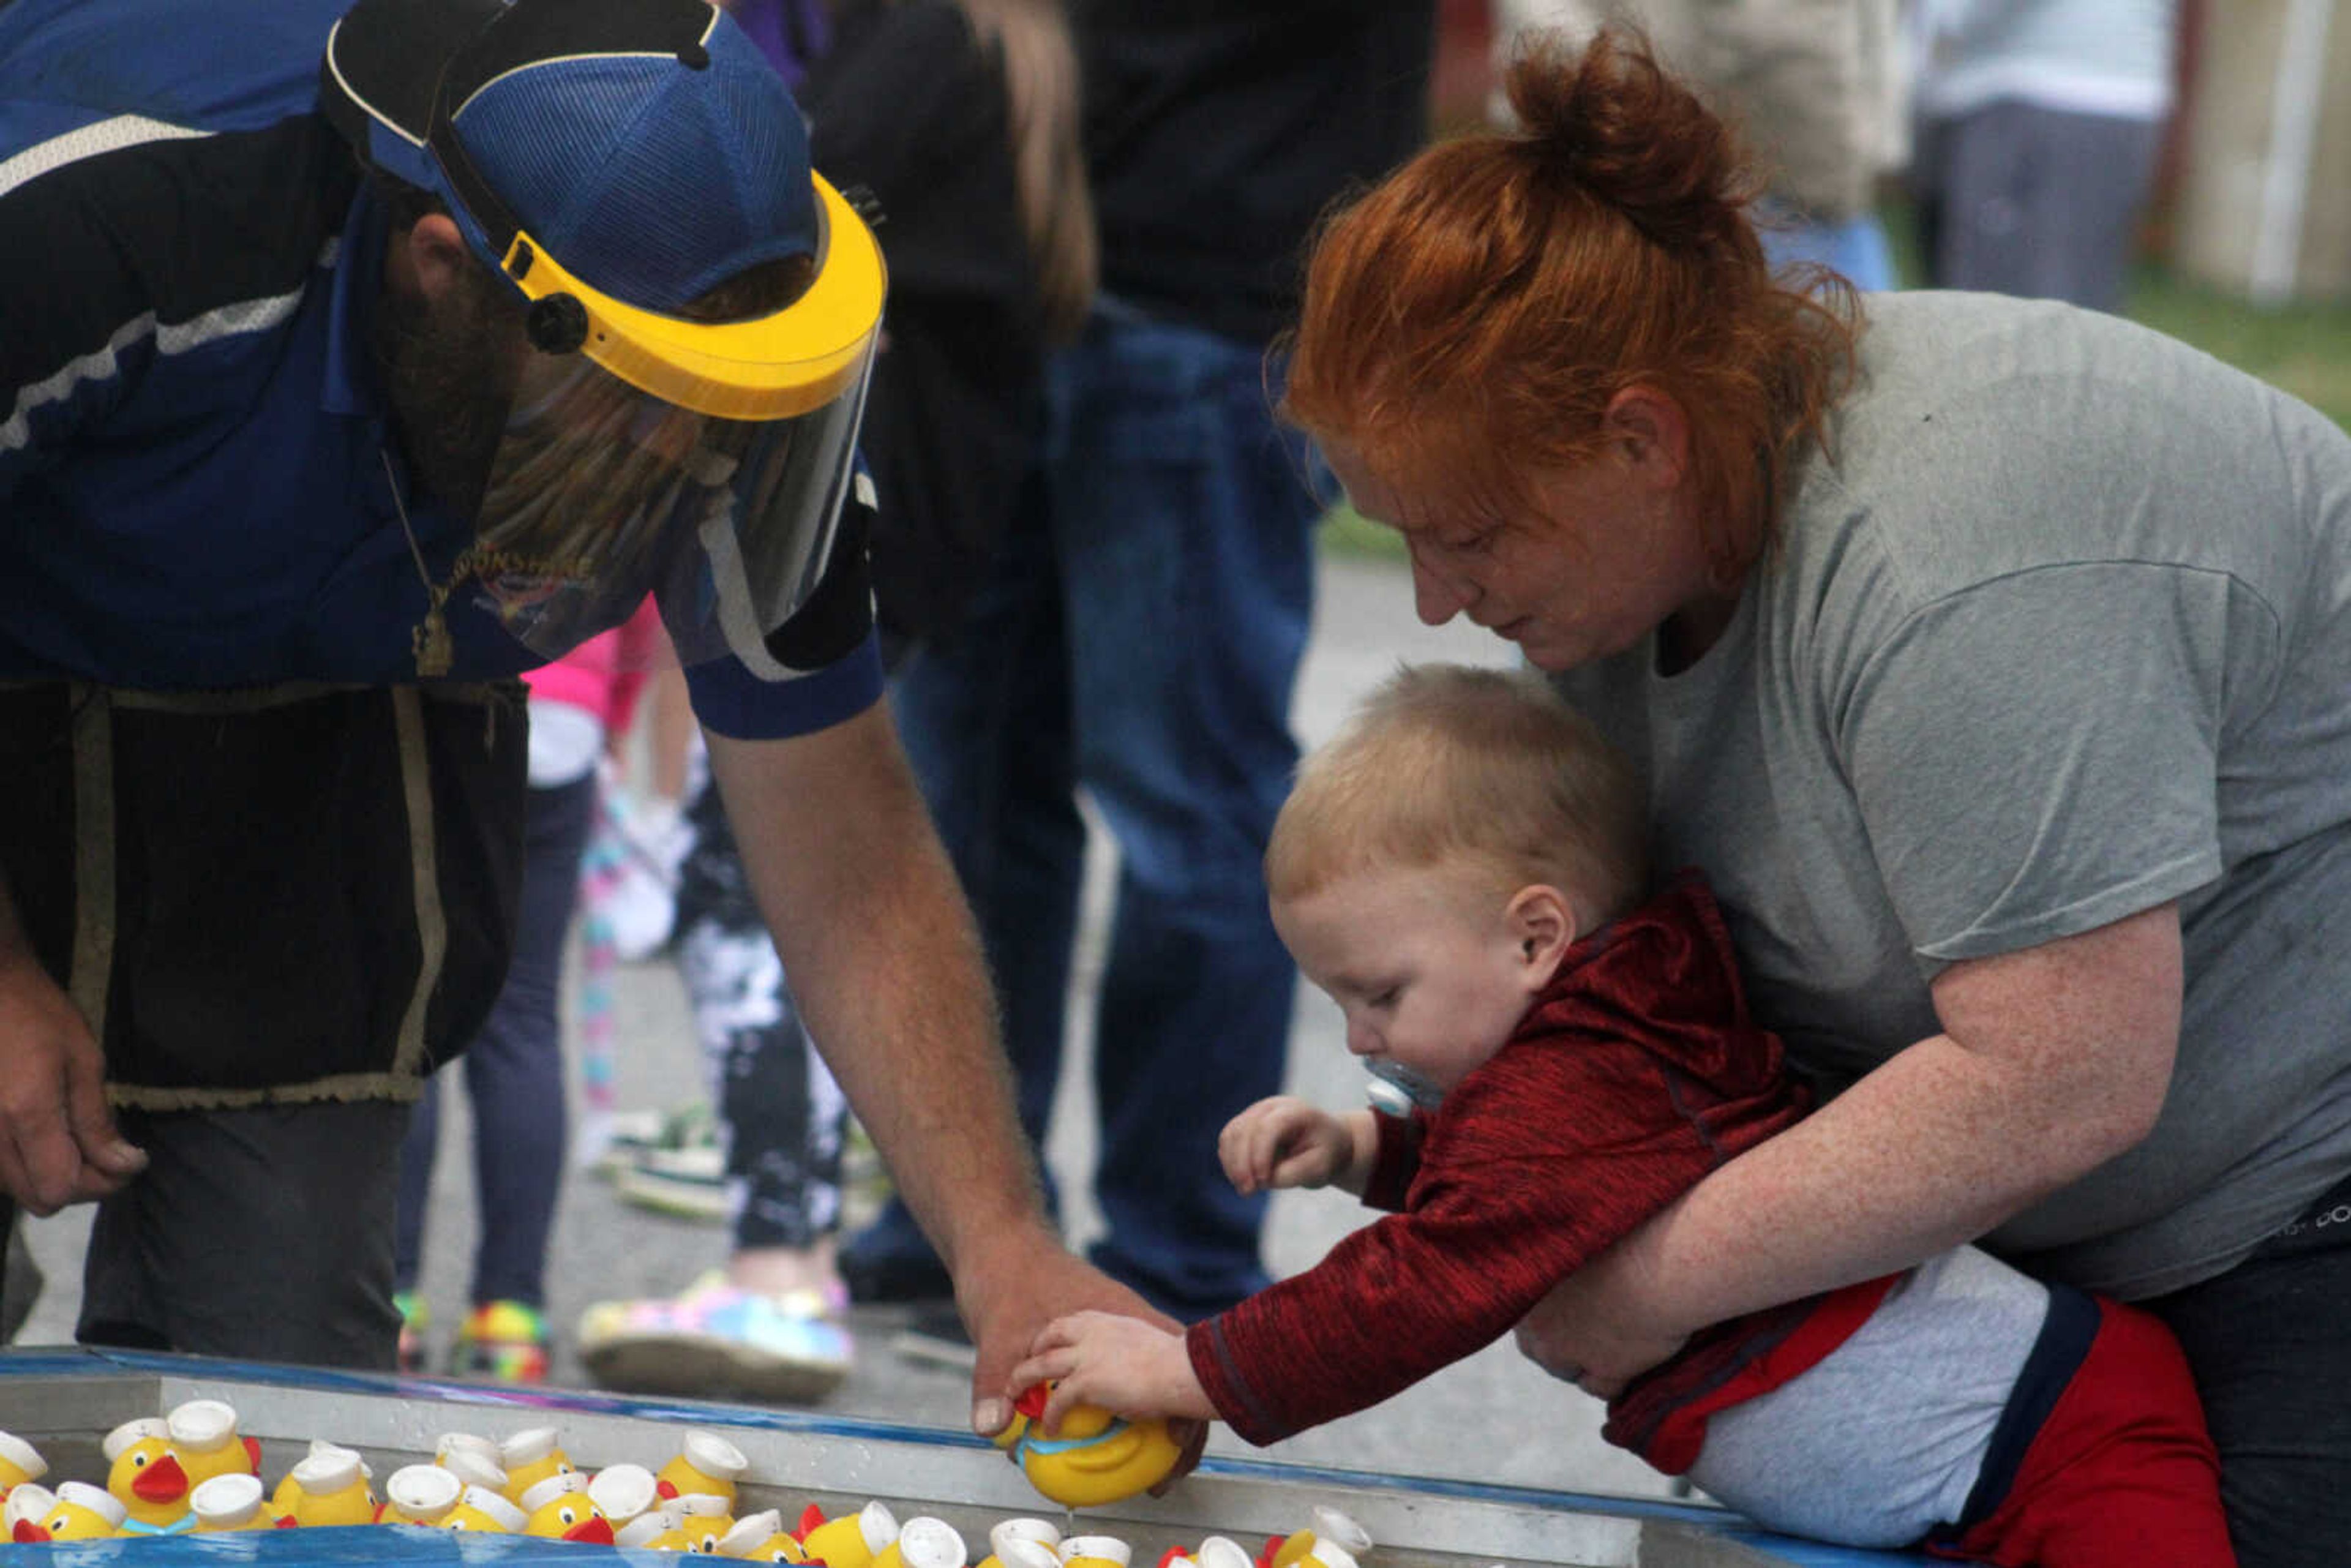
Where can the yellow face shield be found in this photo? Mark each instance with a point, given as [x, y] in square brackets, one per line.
[704, 461]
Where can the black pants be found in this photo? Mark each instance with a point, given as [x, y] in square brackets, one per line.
[2269, 1342]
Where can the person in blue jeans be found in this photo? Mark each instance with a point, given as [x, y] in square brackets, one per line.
[1139, 629]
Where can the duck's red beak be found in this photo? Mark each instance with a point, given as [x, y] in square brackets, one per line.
[29, 1534]
[162, 1481]
[597, 1530]
[665, 1489]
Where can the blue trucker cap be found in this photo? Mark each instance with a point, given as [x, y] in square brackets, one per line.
[646, 145]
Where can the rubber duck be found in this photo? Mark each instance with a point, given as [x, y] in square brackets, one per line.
[419, 1494]
[19, 1462]
[475, 1469]
[530, 1457]
[27, 1499]
[924, 1542]
[1096, 1552]
[705, 1462]
[851, 1541]
[329, 1486]
[142, 1475]
[1024, 1552]
[1094, 1458]
[623, 1491]
[206, 1442]
[233, 1502]
[558, 1508]
[1039, 1533]
[656, 1525]
[78, 1511]
[487, 1510]
[704, 1519]
[451, 1443]
[761, 1538]
[1334, 1542]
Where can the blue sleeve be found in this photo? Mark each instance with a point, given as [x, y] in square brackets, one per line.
[731, 701]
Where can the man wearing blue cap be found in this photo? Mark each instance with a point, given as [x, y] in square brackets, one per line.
[302, 454]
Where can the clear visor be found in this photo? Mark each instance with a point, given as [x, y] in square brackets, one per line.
[600, 492]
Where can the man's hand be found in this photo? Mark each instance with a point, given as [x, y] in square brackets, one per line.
[1011, 1292]
[1118, 1363]
[58, 1145]
[1590, 1330]
[1285, 1142]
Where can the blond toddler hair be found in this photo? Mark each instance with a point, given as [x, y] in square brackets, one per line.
[1488, 767]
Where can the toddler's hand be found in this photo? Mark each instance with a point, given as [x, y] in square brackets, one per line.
[1122, 1364]
[1283, 1142]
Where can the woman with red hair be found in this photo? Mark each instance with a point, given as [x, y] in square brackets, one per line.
[1993, 657]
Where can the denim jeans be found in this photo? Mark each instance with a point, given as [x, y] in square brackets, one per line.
[1137, 637]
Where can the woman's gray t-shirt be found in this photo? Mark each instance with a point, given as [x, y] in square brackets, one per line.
[2063, 633]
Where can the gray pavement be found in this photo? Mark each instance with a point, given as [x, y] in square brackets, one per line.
[1492, 1418]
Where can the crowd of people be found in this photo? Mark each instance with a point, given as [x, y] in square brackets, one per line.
[950, 388]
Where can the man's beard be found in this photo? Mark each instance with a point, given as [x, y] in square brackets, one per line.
[448, 369]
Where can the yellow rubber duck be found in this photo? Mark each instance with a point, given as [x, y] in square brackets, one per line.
[1096, 1552]
[530, 1457]
[142, 1475]
[1094, 1458]
[663, 1524]
[486, 1510]
[623, 1491]
[851, 1541]
[204, 1440]
[924, 1542]
[1025, 1552]
[328, 1486]
[705, 1462]
[761, 1538]
[78, 1511]
[559, 1509]
[29, 1501]
[1334, 1542]
[1041, 1533]
[233, 1502]
[419, 1494]
[19, 1462]
[703, 1518]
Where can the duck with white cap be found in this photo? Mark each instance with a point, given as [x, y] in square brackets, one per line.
[924, 1543]
[654, 1525]
[850, 1541]
[475, 1469]
[19, 1462]
[486, 1510]
[1042, 1534]
[78, 1511]
[559, 1509]
[233, 1502]
[1335, 1542]
[700, 1520]
[530, 1457]
[419, 1494]
[328, 1486]
[1096, 1552]
[625, 1491]
[761, 1538]
[145, 1480]
[705, 1462]
[206, 1442]
[27, 1499]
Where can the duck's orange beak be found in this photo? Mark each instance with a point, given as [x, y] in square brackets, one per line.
[162, 1481]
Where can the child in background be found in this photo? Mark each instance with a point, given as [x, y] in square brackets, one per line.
[1461, 870]
[514, 1067]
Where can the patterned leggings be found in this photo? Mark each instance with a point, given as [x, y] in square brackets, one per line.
[781, 1114]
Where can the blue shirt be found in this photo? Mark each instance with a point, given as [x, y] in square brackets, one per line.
[197, 480]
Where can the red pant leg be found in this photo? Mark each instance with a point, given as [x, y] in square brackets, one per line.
[2122, 1474]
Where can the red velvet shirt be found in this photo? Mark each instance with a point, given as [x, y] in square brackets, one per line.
[1633, 1075]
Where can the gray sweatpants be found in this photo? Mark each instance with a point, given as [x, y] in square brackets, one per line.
[1883, 1440]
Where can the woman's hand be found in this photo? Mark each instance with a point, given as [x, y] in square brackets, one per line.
[1594, 1331]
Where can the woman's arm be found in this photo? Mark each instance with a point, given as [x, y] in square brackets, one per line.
[2052, 1060]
